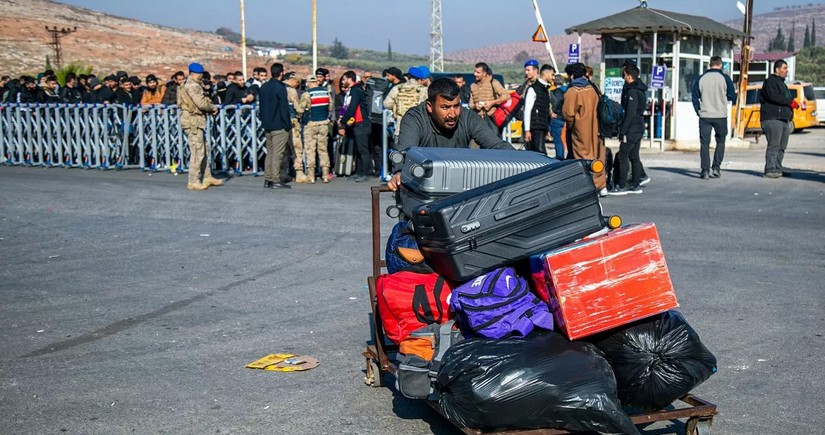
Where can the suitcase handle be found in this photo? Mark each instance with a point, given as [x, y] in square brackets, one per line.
[529, 205]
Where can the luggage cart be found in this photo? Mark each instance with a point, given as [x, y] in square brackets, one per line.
[698, 413]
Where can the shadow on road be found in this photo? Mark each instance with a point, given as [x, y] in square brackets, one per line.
[679, 171]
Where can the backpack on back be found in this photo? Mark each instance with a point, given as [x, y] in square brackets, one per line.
[408, 97]
[610, 115]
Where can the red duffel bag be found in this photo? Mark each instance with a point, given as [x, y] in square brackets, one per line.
[408, 301]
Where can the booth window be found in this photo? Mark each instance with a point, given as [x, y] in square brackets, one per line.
[619, 44]
[691, 44]
[689, 71]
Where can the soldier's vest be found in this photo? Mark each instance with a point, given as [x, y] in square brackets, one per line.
[408, 97]
[319, 111]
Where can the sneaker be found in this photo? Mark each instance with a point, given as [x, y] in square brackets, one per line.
[603, 192]
[634, 190]
[644, 181]
[618, 191]
[773, 175]
[715, 173]
[704, 175]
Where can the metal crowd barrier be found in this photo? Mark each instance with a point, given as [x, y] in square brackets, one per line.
[117, 136]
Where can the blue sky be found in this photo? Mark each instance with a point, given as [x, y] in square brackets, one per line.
[467, 23]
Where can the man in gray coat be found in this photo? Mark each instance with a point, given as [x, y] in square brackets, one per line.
[711, 94]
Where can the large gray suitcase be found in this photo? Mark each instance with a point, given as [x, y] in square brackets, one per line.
[429, 174]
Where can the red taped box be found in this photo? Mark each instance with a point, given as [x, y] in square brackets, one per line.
[604, 282]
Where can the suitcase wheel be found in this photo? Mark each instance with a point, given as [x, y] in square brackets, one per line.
[614, 222]
[393, 211]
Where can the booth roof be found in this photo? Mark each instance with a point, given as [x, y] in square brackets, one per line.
[647, 20]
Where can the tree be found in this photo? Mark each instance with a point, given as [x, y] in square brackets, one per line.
[389, 51]
[807, 42]
[338, 50]
[813, 33]
[77, 68]
[791, 42]
[778, 42]
[522, 57]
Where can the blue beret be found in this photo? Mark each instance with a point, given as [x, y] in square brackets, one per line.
[415, 72]
[424, 71]
[196, 68]
[531, 62]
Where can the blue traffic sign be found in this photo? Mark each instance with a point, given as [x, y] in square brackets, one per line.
[573, 53]
[658, 80]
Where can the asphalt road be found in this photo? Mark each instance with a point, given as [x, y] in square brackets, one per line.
[131, 305]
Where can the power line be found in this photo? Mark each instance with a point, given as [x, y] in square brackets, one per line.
[56, 35]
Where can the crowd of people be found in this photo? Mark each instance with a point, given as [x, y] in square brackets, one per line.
[318, 111]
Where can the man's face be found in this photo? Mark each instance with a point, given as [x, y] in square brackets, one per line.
[263, 76]
[479, 73]
[230, 78]
[31, 86]
[530, 72]
[51, 85]
[239, 80]
[152, 85]
[366, 76]
[127, 86]
[345, 83]
[444, 112]
[782, 71]
[459, 81]
[179, 80]
[71, 83]
[255, 75]
[320, 78]
[548, 75]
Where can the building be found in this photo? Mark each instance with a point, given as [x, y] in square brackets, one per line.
[682, 43]
[761, 66]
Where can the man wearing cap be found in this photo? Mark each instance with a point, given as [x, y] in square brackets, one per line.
[537, 110]
[194, 106]
[153, 94]
[405, 96]
[441, 122]
[297, 107]
[316, 132]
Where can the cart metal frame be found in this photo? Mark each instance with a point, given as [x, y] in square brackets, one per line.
[698, 412]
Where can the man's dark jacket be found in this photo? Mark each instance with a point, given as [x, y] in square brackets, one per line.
[634, 100]
[775, 100]
[418, 130]
[357, 98]
[274, 106]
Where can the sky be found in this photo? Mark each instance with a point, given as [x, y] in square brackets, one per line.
[406, 23]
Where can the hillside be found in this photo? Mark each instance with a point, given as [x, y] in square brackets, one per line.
[764, 26]
[106, 42]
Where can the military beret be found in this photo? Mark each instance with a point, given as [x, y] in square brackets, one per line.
[196, 68]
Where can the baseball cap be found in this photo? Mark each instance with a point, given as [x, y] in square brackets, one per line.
[151, 78]
[321, 72]
[531, 62]
[312, 78]
[291, 75]
[110, 78]
[196, 68]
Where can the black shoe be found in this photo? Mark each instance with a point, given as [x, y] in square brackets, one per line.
[618, 191]
[704, 175]
[715, 173]
[268, 184]
[634, 190]
[281, 186]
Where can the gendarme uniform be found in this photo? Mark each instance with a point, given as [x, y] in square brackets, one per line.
[296, 112]
[316, 133]
[402, 98]
[194, 106]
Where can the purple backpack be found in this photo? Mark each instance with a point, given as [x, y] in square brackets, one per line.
[500, 304]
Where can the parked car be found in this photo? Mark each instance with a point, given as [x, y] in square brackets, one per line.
[819, 93]
[805, 115]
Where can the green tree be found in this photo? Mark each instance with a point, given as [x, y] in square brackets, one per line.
[807, 42]
[778, 42]
[389, 51]
[76, 67]
[791, 42]
[522, 57]
[810, 65]
[338, 50]
[813, 33]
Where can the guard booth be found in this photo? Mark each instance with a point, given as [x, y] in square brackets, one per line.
[682, 44]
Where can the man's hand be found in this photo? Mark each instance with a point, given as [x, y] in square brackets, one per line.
[528, 137]
[553, 115]
[394, 182]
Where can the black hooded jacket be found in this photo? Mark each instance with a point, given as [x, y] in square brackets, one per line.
[634, 101]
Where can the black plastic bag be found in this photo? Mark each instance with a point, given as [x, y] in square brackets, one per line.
[542, 381]
[656, 360]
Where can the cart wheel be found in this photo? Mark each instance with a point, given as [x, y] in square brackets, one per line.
[697, 426]
[374, 375]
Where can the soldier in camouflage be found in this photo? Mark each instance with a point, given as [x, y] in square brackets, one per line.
[194, 106]
[406, 95]
[297, 107]
[322, 108]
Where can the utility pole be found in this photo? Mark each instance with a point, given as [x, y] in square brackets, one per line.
[243, 41]
[56, 35]
[436, 38]
[314, 36]
[744, 66]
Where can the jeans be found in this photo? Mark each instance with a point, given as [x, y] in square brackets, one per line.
[628, 157]
[556, 126]
[720, 126]
[537, 142]
[776, 133]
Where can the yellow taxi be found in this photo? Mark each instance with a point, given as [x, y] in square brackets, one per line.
[804, 116]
